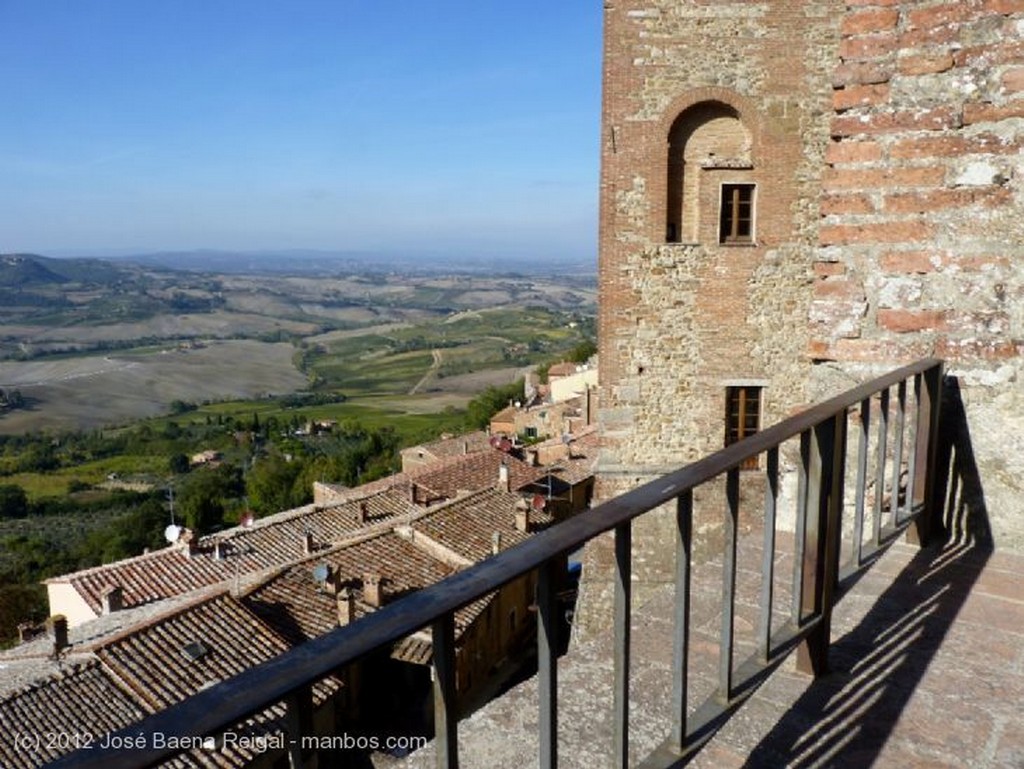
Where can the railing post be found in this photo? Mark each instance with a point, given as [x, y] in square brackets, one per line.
[298, 721]
[928, 523]
[826, 469]
[725, 645]
[547, 665]
[681, 642]
[445, 712]
[897, 454]
[771, 499]
[880, 462]
[623, 598]
[860, 493]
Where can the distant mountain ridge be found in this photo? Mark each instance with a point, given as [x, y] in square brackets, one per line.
[309, 261]
[35, 271]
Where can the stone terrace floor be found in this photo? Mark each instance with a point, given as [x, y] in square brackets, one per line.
[927, 670]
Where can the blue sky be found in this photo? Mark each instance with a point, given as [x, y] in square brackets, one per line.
[463, 127]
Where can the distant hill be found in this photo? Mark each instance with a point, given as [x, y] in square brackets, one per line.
[22, 270]
[34, 271]
[314, 262]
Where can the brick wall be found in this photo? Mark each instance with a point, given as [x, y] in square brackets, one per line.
[922, 235]
[681, 321]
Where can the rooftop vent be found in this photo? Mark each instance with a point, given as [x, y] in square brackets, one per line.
[194, 651]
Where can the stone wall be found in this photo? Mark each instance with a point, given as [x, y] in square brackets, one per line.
[922, 236]
[884, 141]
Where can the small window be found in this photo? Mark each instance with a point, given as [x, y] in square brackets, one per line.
[531, 432]
[736, 222]
[742, 416]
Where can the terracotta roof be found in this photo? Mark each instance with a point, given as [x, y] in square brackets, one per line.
[453, 446]
[153, 660]
[270, 542]
[507, 414]
[471, 473]
[565, 368]
[177, 655]
[467, 525]
[300, 608]
[82, 699]
[582, 461]
[146, 668]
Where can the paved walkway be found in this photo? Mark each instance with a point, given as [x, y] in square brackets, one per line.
[927, 671]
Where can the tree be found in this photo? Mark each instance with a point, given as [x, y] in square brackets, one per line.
[492, 400]
[203, 498]
[13, 501]
[582, 352]
[269, 485]
[178, 464]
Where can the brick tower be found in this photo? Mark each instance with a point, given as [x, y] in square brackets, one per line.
[796, 194]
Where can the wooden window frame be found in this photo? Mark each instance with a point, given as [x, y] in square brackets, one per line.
[743, 405]
[736, 213]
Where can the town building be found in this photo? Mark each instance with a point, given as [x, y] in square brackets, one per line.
[796, 196]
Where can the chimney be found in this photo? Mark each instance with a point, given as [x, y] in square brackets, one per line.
[522, 516]
[364, 512]
[531, 458]
[307, 543]
[465, 447]
[346, 607]
[191, 542]
[503, 480]
[57, 629]
[496, 543]
[27, 631]
[112, 599]
[371, 589]
[218, 551]
[333, 582]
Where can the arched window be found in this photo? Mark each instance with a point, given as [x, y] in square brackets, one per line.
[705, 140]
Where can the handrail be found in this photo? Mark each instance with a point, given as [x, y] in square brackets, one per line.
[255, 689]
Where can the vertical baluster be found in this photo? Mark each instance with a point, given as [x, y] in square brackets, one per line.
[897, 457]
[824, 526]
[547, 664]
[883, 436]
[800, 537]
[681, 642]
[446, 739]
[863, 438]
[298, 720]
[913, 459]
[929, 520]
[623, 596]
[771, 498]
[732, 495]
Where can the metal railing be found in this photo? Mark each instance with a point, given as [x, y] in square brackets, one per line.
[903, 437]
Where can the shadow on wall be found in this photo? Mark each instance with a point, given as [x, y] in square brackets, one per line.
[845, 718]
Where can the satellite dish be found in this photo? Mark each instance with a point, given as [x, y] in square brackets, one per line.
[248, 520]
[538, 502]
[495, 441]
[171, 533]
[321, 573]
[566, 438]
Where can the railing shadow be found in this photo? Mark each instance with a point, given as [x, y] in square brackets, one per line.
[845, 718]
